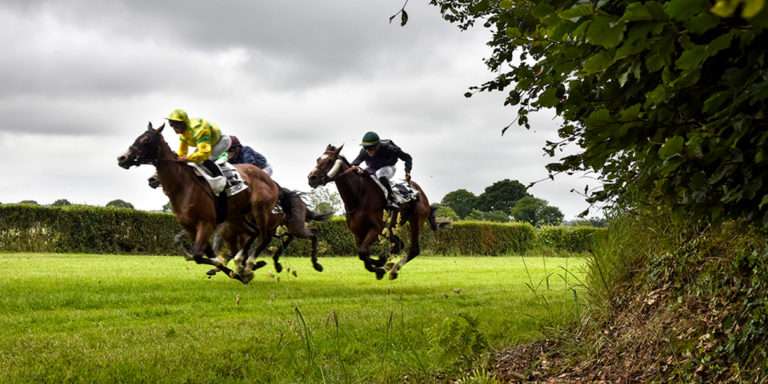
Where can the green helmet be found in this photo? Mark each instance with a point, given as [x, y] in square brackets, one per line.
[370, 139]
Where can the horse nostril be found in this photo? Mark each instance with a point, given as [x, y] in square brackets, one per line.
[120, 159]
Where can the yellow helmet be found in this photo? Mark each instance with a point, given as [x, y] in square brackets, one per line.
[179, 115]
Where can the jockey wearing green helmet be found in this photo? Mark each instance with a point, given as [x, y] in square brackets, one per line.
[380, 157]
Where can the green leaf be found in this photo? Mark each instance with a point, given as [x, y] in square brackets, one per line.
[682, 10]
[655, 97]
[714, 102]
[752, 8]
[597, 63]
[631, 113]
[694, 144]
[673, 146]
[506, 4]
[605, 31]
[513, 32]
[576, 12]
[725, 8]
[599, 118]
[718, 44]
[542, 10]
[702, 22]
[636, 12]
[763, 202]
[549, 98]
[692, 57]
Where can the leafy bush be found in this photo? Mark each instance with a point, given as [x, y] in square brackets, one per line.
[458, 341]
[570, 239]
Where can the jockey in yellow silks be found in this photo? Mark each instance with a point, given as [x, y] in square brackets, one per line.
[203, 135]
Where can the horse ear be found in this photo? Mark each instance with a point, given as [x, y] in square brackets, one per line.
[149, 126]
[339, 149]
[161, 128]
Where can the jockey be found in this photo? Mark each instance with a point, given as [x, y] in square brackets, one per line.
[380, 157]
[243, 154]
[204, 136]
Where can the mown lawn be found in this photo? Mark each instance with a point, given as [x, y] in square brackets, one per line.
[96, 318]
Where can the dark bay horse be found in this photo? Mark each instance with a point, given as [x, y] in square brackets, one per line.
[192, 201]
[294, 218]
[364, 203]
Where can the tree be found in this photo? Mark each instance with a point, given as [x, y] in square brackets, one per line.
[501, 195]
[323, 200]
[28, 202]
[120, 204]
[447, 212]
[664, 98]
[536, 211]
[167, 207]
[61, 203]
[496, 216]
[461, 201]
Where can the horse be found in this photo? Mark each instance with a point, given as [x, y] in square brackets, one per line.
[295, 216]
[365, 203]
[193, 202]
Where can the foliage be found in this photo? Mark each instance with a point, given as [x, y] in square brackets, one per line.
[167, 207]
[459, 341]
[85, 229]
[663, 97]
[119, 204]
[493, 216]
[536, 211]
[444, 211]
[28, 202]
[568, 239]
[501, 196]
[100, 318]
[60, 203]
[461, 201]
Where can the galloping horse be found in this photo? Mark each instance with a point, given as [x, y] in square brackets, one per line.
[192, 201]
[364, 203]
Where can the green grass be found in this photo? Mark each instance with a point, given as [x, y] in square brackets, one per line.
[94, 318]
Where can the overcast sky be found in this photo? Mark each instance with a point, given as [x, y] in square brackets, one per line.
[80, 79]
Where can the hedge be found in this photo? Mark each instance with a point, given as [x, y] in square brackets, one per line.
[25, 228]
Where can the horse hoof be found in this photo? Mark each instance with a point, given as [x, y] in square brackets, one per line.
[380, 274]
[393, 275]
[259, 264]
[245, 278]
[212, 272]
[278, 267]
[317, 267]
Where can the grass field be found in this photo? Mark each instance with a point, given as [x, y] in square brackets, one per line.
[94, 318]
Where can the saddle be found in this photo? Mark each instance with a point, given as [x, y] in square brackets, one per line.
[231, 182]
[403, 191]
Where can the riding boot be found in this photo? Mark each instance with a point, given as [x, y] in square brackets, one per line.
[221, 199]
[212, 168]
[391, 201]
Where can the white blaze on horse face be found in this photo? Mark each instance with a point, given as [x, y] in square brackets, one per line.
[336, 166]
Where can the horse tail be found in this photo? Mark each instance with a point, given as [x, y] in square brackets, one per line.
[431, 218]
[313, 216]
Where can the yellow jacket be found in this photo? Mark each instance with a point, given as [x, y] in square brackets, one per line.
[200, 134]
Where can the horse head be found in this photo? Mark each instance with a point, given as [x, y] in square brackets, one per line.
[144, 150]
[327, 167]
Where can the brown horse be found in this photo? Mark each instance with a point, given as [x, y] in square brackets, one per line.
[294, 218]
[364, 203]
[192, 201]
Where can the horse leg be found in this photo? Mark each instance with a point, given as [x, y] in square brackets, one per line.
[416, 223]
[364, 252]
[202, 247]
[283, 245]
[251, 264]
[315, 264]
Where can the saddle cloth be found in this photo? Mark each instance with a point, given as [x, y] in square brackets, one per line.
[231, 182]
[403, 191]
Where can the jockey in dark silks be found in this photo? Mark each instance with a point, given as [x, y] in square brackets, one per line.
[380, 157]
[243, 154]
